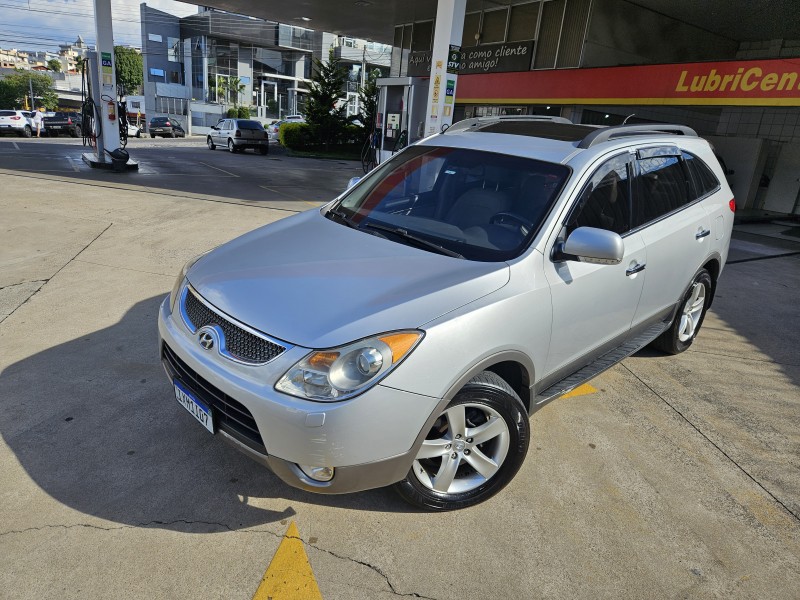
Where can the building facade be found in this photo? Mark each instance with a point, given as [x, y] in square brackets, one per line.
[203, 64]
[609, 61]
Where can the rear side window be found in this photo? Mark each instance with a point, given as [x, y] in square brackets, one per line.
[704, 179]
[663, 186]
[7, 113]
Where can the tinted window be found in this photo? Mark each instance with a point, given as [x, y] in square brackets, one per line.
[158, 121]
[605, 201]
[663, 187]
[704, 179]
[482, 205]
[249, 125]
[7, 113]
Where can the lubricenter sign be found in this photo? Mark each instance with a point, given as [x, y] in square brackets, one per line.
[743, 83]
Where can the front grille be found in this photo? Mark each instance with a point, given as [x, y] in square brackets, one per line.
[239, 343]
[229, 415]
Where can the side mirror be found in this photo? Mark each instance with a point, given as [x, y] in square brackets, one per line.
[352, 182]
[595, 246]
[215, 128]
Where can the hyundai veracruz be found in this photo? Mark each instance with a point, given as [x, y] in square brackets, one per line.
[403, 333]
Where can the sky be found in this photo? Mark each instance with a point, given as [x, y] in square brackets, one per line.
[44, 24]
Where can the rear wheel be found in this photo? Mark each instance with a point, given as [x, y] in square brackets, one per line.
[231, 147]
[473, 450]
[685, 327]
[27, 131]
[211, 145]
[172, 134]
[76, 132]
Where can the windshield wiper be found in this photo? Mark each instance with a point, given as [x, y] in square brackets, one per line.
[343, 218]
[402, 233]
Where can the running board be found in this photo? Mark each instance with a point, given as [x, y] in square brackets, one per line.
[603, 363]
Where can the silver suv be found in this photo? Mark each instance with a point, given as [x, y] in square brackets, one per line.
[403, 333]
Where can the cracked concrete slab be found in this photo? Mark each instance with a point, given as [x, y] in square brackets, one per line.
[12, 296]
[676, 479]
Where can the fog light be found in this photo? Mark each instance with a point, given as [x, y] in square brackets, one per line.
[318, 473]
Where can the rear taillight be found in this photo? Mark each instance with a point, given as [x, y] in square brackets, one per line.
[15, 118]
[167, 124]
[69, 120]
[732, 204]
[238, 133]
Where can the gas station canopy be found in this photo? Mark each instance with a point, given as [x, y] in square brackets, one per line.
[740, 20]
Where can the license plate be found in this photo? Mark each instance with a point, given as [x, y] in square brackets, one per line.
[196, 408]
[55, 126]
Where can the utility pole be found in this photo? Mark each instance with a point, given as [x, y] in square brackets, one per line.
[30, 86]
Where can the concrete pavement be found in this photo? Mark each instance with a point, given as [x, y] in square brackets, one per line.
[678, 478]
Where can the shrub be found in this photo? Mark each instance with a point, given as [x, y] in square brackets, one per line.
[296, 136]
[244, 112]
[232, 113]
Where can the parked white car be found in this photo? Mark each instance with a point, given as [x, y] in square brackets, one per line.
[18, 122]
[403, 333]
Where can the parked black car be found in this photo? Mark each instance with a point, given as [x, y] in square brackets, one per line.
[63, 122]
[166, 127]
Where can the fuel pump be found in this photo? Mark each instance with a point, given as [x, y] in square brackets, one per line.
[401, 113]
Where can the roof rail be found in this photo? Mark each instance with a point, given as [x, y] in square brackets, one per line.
[615, 131]
[479, 122]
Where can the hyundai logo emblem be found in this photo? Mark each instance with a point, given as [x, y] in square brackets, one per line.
[206, 339]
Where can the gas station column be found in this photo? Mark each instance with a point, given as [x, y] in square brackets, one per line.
[107, 77]
[444, 64]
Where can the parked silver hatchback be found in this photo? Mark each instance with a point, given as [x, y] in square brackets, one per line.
[403, 333]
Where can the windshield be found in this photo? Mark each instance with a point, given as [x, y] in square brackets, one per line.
[249, 125]
[481, 205]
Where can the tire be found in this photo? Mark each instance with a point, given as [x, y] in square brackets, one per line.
[447, 456]
[173, 135]
[232, 147]
[75, 132]
[211, 145]
[263, 150]
[690, 316]
[138, 134]
[27, 131]
[153, 135]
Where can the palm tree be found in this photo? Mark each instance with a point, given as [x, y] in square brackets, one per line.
[232, 85]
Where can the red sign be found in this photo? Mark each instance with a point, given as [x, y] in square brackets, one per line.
[734, 83]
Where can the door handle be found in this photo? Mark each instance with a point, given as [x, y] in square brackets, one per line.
[702, 233]
[635, 269]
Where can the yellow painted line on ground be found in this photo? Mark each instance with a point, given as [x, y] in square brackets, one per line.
[289, 575]
[581, 390]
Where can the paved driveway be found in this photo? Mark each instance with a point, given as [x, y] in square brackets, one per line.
[676, 477]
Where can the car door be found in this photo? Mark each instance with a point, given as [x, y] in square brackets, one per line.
[593, 305]
[674, 226]
[216, 134]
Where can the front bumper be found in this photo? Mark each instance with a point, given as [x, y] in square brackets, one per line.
[371, 440]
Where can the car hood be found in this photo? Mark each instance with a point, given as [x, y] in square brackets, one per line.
[315, 283]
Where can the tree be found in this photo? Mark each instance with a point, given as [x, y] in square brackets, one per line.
[129, 69]
[232, 86]
[54, 65]
[16, 87]
[322, 113]
[368, 99]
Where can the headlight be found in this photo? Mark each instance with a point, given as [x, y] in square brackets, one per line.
[341, 373]
[177, 286]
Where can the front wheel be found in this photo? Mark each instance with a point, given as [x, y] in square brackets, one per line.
[211, 145]
[473, 450]
[686, 325]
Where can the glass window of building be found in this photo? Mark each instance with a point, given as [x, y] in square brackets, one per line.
[522, 25]
[423, 36]
[494, 26]
[472, 23]
[407, 36]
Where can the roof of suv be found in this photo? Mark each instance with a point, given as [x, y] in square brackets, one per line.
[552, 139]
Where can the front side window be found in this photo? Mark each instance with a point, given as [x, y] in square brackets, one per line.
[604, 202]
[478, 205]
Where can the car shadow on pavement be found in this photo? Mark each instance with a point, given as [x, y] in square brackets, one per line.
[94, 423]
